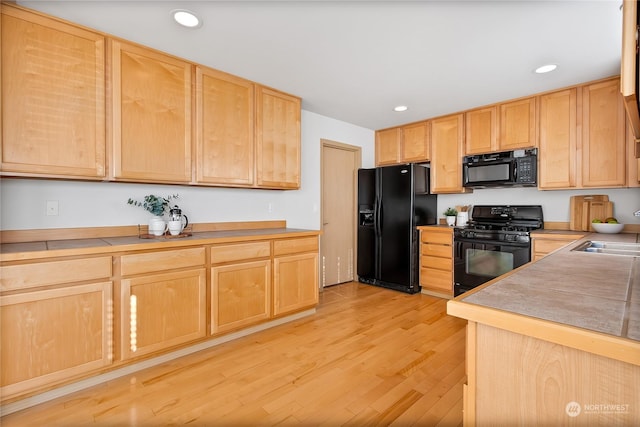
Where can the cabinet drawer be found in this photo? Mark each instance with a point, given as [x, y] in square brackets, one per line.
[161, 261]
[292, 246]
[441, 237]
[443, 251]
[436, 279]
[239, 252]
[54, 272]
[436, 262]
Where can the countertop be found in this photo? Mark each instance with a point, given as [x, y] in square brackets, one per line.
[597, 294]
[104, 245]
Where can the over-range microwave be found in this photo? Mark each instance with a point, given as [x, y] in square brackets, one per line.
[518, 168]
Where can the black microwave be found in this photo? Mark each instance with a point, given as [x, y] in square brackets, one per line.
[518, 168]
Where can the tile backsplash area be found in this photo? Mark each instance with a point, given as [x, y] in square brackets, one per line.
[555, 204]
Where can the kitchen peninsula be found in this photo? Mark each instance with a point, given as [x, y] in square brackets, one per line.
[77, 308]
[555, 340]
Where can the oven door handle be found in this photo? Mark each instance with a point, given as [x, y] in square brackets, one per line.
[491, 242]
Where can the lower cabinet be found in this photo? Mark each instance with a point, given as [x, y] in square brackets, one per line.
[543, 245]
[436, 260]
[162, 311]
[59, 321]
[517, 379]
[240, 285]
[295, 274]
[161, 308]
[53, 334]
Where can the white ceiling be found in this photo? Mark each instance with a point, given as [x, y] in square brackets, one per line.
[355, 60]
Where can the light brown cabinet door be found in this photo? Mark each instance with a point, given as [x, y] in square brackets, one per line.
[53, 95]
[51, 335]
[151, 115]
[388, 146]
[162, 310]
[224, 128]
[414, 143]
[446, 154]
[518, 124]
[277, 139]
[558, 133]
[481, 131]
[295, 283]
[603, 135]
[240, 295]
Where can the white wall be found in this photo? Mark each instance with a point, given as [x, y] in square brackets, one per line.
[98, 204]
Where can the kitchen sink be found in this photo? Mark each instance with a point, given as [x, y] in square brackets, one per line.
[610, 248]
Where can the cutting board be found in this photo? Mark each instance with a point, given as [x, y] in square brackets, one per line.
[586, 208]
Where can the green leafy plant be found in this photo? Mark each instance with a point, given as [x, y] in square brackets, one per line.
[450, 212]
[157, 205]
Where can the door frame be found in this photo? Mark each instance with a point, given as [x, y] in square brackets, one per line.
[358, 164]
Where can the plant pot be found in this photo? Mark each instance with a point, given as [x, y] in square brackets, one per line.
[451, 221]
[157, 226]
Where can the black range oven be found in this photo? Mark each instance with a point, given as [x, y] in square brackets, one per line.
[496, 240]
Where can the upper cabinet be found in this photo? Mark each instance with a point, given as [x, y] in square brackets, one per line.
[151, 115]
[502, 127]
[447, 135]
[558, 140]
[597, 156]
[603, 135]
[518, 124]
[388, 146]
[277, 139]
[628, 71]
[53, 95]
[414, 142]
[581, 132]
[406, 144]
[63, 104]
[224, 128]
[481, 130]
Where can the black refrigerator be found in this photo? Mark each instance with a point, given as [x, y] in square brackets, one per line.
[392, 201]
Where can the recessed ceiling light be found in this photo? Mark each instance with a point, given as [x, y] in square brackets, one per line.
[546, 68]
[186, 18]
[400, 108]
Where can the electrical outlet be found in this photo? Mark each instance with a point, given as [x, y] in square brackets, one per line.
[270, 207]
[52, 208]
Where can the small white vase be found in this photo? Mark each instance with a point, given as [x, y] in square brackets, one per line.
[157, 226]
[451, 221]
[462, 219]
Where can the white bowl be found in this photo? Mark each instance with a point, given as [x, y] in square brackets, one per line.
[602, 227]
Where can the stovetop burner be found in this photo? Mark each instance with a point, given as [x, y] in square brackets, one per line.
[511, 223]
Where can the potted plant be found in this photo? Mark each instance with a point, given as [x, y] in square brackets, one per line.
[450, 215]
[157, 206]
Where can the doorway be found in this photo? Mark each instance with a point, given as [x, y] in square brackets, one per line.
[339, 164]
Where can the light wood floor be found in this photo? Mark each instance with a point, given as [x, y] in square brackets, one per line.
[369, 356]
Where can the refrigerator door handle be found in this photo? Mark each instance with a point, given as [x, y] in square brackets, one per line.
[376, 216]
